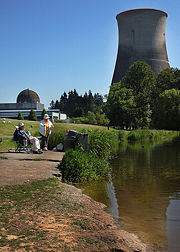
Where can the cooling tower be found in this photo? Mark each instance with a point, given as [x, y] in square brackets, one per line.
[141, 38]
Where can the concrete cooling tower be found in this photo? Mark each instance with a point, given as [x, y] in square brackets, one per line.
[141, 38]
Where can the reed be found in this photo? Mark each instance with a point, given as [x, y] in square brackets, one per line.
[136, 135]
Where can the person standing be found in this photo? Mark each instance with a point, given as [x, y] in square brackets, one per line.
[45, 130]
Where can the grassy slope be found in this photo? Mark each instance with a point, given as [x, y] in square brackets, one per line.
[9, 127]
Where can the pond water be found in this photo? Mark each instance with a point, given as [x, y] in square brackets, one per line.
[143, 194]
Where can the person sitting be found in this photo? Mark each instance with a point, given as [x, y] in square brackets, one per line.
[25, 139]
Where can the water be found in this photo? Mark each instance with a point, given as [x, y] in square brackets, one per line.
[144, 193]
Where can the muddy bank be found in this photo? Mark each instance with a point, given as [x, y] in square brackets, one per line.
[101, 226]
[48, 215]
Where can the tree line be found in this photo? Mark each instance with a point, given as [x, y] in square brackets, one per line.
[75, 105]
[141, 100]
[87, 108]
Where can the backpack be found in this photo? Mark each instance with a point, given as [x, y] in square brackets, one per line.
[15, 136]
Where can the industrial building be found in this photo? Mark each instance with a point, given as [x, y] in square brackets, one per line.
[28, 100]
[141, 38]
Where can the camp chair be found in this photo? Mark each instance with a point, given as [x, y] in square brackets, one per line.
[25, 147]
[20, 146]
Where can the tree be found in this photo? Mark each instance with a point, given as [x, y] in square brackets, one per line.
[43, 113]
[101, 119]
[141, 79]
[167, 114]
[91, 117]
[52, 104]
[98, 100]
[57, 105]
[75, 105]
[121, 106]
[32, 116]
[168, 79]
[20, 116]
[90, 101]
[63, 102]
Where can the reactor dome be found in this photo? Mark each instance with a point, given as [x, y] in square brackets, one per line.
[28, 96]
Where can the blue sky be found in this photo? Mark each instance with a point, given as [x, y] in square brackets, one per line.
[52, 46]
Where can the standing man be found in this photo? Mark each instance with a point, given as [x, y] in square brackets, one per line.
[45, 130]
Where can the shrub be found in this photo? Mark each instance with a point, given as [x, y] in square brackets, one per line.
[77, 166]
[43, 113]
[32, 116]
[20, 116]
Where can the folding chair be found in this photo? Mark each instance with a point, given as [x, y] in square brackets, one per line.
[23, 147]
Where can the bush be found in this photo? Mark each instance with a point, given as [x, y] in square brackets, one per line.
[77, 166]
[43, 113]
[32, 116]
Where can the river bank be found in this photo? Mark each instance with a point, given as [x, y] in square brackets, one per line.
[49, 215]
[64, 219]
[39, 213]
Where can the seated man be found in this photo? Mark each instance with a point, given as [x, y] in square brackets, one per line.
[25, 139]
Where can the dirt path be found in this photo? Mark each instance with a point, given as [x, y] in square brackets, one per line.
[17, 168]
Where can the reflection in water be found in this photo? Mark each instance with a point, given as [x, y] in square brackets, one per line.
[173, 222]
[113, 205]
[145, 192]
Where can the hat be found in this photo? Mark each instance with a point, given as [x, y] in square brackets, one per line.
[46, 116]
[20, 124]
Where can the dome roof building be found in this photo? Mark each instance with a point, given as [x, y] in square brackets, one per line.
[28, 96]
[28, 100]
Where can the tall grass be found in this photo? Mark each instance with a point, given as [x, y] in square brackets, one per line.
[136, 135]
[56, 137]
